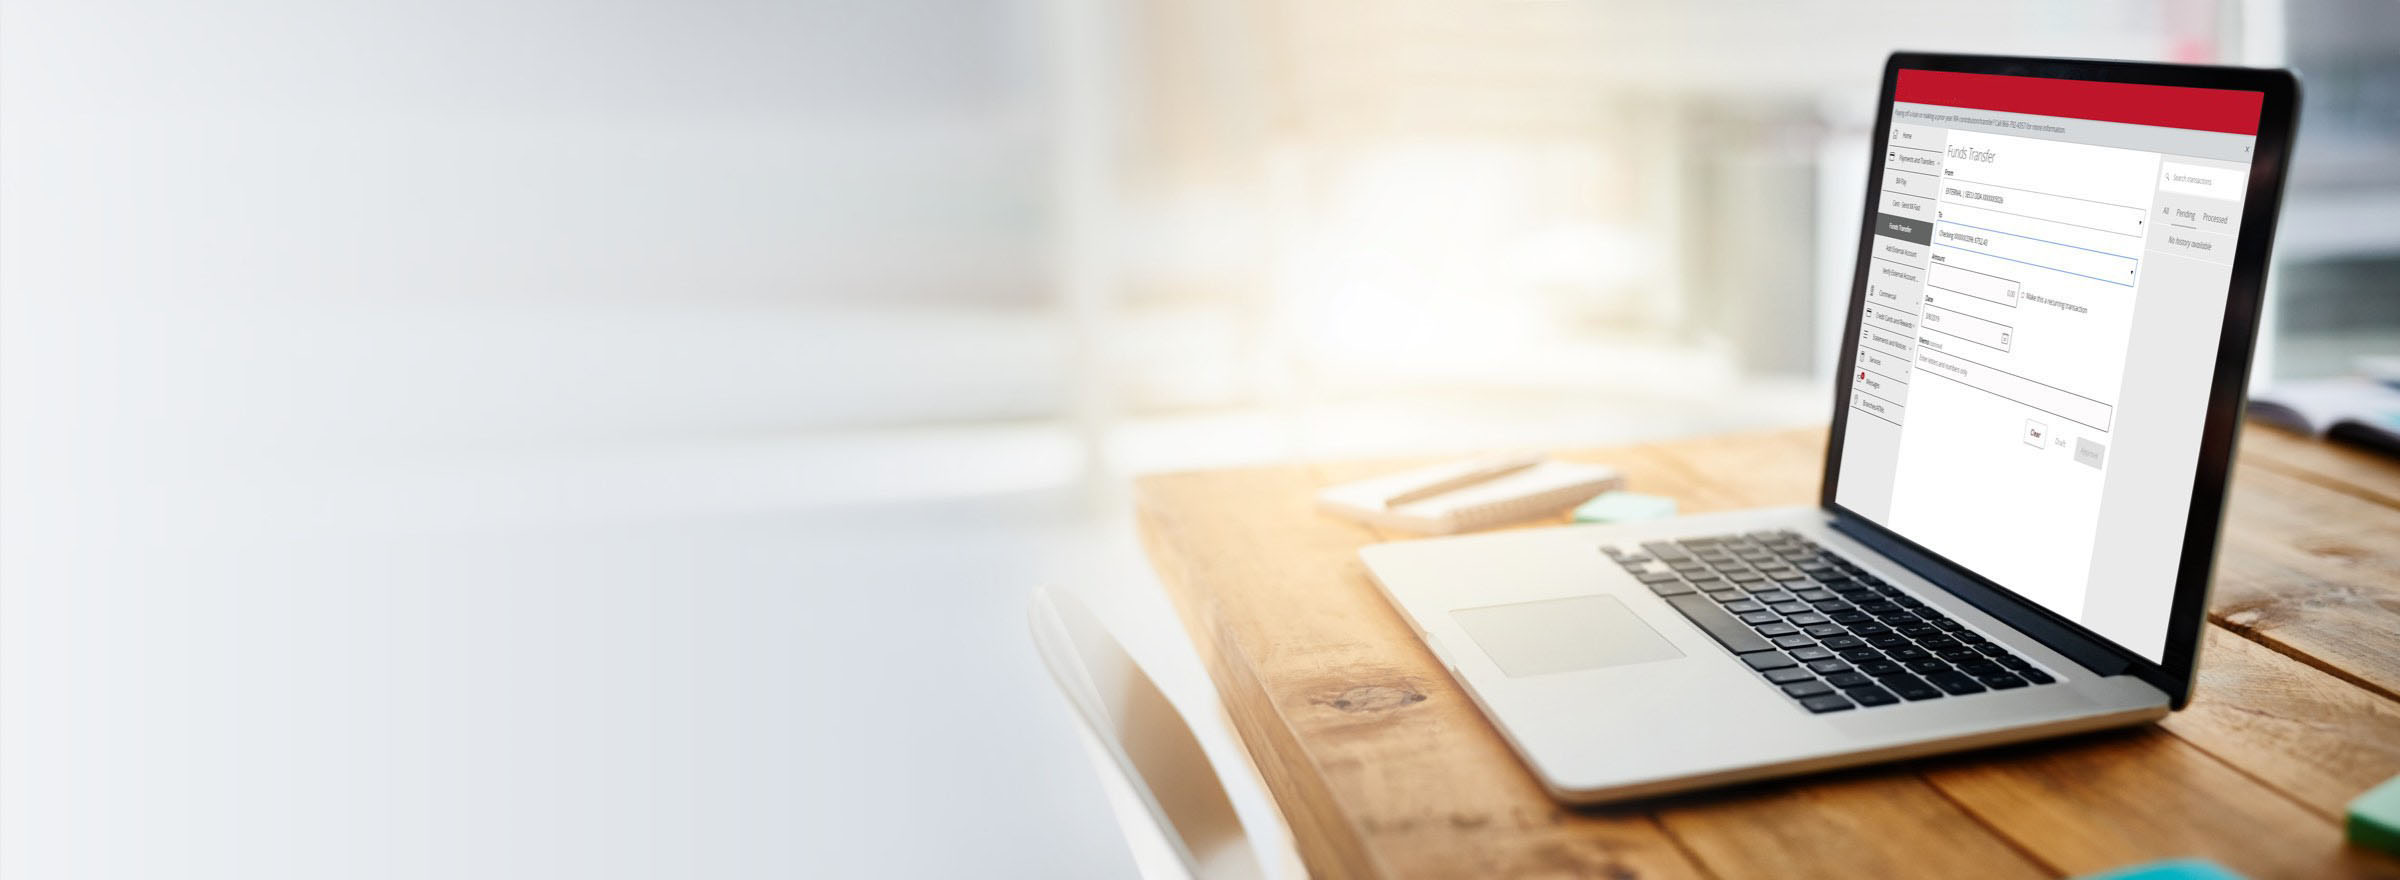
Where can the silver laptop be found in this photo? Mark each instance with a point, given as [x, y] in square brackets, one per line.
[2042, 371]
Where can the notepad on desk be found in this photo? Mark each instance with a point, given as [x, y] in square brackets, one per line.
[1468, 495]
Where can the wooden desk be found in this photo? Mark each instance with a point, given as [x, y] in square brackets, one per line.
[1383, 766]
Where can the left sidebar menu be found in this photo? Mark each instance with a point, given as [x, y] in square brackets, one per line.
[1895, 294]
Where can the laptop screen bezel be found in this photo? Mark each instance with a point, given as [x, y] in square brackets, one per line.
[2173, 672]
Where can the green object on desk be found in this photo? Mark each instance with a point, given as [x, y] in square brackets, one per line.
[1623, 507]
[2375, 817]
[2171, 869]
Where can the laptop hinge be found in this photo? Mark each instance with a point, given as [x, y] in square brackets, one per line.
[2087, 652]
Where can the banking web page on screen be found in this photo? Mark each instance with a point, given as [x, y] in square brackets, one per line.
[2047, 281]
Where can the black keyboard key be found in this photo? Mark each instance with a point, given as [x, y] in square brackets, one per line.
[1794, 641]
[1847, 616]
[1766, 660]
[1815, 595]
[1808, 689]
[1991, 649]
[1888, 640]
[1771, 596]
[1862, 655]
[1809, 619]
[1834, 607]
[2002, 682]
[1938, 644]
[1958, 655]
[1948, 625]
[1733, 634]
[1927, 667]
[1771, 630]
[1879, 668]
[1826, 703]
[1812, 653]
[1981, 668]
[1755, 618]
[1870, 630]
[1871, 695]
[1910, 687]
[1744, 606]
[1670, 588]
[1789, 674]
[1905, 655]
[1848, 679]
[1828, 667]
[1789, 607]
[1843, 643]
[2013, 661]
[1954, 683]
[2037, 676]
[1821, 630]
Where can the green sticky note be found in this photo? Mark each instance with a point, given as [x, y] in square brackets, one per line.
[2375, 817]
[2171, 869]
[1621, 507]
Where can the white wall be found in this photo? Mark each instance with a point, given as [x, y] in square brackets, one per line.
[396, 406]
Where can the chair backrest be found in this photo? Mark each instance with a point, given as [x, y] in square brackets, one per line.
[1146, 752]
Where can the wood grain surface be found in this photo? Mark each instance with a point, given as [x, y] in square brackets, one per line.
[1384, 767]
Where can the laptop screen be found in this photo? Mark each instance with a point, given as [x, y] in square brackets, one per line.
[2050, 261]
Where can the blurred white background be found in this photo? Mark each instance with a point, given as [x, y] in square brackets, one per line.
[618, 439]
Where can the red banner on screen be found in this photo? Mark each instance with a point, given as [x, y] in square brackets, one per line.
[2234, 112]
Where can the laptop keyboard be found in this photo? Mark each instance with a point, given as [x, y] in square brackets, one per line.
[1817, 626]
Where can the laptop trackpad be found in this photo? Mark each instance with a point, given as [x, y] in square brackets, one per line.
[1563, 635]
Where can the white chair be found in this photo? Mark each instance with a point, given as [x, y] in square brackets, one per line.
[1169, 799]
